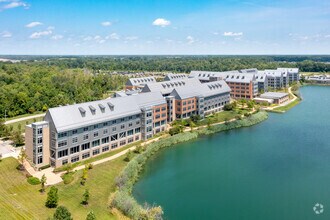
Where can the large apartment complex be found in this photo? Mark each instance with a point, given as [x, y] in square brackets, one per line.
[76, 132]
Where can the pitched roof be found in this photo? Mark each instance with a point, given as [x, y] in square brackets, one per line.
[273, 95]
[140, 81]
[172, 76]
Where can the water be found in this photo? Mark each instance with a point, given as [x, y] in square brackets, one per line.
[278, 169]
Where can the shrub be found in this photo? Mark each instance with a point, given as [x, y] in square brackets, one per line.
[129, 156]
[228, 107]
[91, 216]
[89, 166]
[62, 213]
[68, 178]
[85, 197]
[33, 180]
[52, 197]
[175, 130]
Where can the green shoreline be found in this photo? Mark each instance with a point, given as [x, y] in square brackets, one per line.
[122, 198]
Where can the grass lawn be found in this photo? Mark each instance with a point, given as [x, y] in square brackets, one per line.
[220, 117]
[23, 123]
[20, 200]
[287, 107]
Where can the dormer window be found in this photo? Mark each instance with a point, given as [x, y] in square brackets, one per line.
[102, 108]
[111, 106]
[93, 110]
[82, 111]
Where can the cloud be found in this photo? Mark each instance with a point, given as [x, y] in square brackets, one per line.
[97, 37]
[33, 24]
[14, 4]
[57, 37]
[6, 34]
[113, 36]
[106, 23]
[161, 22]
[37, 35]
[51, 28]
[132, 38]
[190, 39]
[88, 38]
[215, 33]
[232, 34]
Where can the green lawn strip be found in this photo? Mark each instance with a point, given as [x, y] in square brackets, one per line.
[20, 200]
[287, 107]
[24, 115]
[23, 124]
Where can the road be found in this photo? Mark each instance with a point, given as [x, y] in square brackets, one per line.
[24, 118]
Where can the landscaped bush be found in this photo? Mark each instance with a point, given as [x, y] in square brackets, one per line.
[68, 177]
[33, 180]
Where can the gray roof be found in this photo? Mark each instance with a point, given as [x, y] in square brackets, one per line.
[260, 77]
[140, 81]
[201, 89]
[71, 116]
[289, 70]
[273, 95]
[205, 75]
[228, 76]
[172, 76]
[239, 77]
[167, 87]
[272, 73]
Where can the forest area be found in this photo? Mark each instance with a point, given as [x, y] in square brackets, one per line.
[40, 82]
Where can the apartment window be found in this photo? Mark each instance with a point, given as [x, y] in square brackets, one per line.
[85, 137]
[137, 122]
[157, 109]
[105, 131]
[130, 117]
[163, 108]
[95, 143]
[137, 130]
[130, 132]
[157, 116]
[137, 116]
[122, 143]
[62, 153]
[184, 103]
[63, 134]
[114, 129]
[39, 131]
[122, 119]
[85, 146]
[137, 137]
[95, 152]
[39, 150]
[149, 114]
[114, 145]
[74, 149]
[62, 143]
[122, 134]
[105, 140]
[130, 124]
[96, 126]
[85, 129]
[39, 140]
[105, 124]
[149, 121]
[130, 140]
[39, 160]
[149, 129]
[74, 159]
[163, 115]
[114, 137]
[113, 122]
[64, 162]
[74, 140]
[122, 126]
[96, 134]
[74, 131]
[105, 148]
[85, 155]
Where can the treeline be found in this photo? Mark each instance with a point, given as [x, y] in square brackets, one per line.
[27, 88]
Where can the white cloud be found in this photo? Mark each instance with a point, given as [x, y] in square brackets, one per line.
[57, 37]
[6, 34]
[113, 36]
[190, 39]
[132, 38]
[37, 35]
[97, 37]
[88, 38]
[106, 23]
[232, 34]
[215, 33]
[33, 24]
[14, 4]
[51, 28]
[101, 41]
[161, 22]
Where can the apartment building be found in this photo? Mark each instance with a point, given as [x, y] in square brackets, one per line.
[274, 78]
[292, 74]
[318, 79]
[139, 83]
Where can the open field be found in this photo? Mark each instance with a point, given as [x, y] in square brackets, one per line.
[23, 123]
[287, 107]
[20, 200]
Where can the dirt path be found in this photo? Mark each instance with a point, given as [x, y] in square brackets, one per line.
[24, 118]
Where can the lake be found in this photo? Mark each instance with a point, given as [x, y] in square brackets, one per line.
[278, 169]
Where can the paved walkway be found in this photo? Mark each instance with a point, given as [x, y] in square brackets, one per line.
[24, 118]
[283, 104]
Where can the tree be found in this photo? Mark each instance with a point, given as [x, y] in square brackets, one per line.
[85, 197]
[62, 213]
[91, 216]
[2, 127]
[21, 158]
[84, 176]
[208, 123]
[191, 125]
[52, 197]
[43, 181]
[128, 156]
[68, 168]
[228, 107]
[17, 138]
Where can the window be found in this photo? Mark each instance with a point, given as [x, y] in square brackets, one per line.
[105, 131]
[149, 129]
[130, 124]
[95, 143]
[122, 119]
[114, 137]
[62, 143]
[105, 124]
[39, 150]
[96, 126]
[64, 162]
[74, 149]
[85, 129]
[63, 134]
[137, 130]
[114, 145]
[122, 126]
[149, 114]
[74, 159]
[95, 152]
[163, 108]
[39, 140]
[114, 129]
[105, 140]
[39, 131]
[96, 134]
[85, 155]
[85, 146]
[122, 134]
[130, 132]
[39, 160]
[74, 131]
[137, 122]
[105, 148]
[137, 137]
[74, 140]
[130, 117]
[62, 153]
[85, 137]
[130, 140]
[122, 143]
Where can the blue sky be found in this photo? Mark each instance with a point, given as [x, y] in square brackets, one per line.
[164, 27]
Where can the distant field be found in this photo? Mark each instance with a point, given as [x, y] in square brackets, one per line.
[20, 200]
